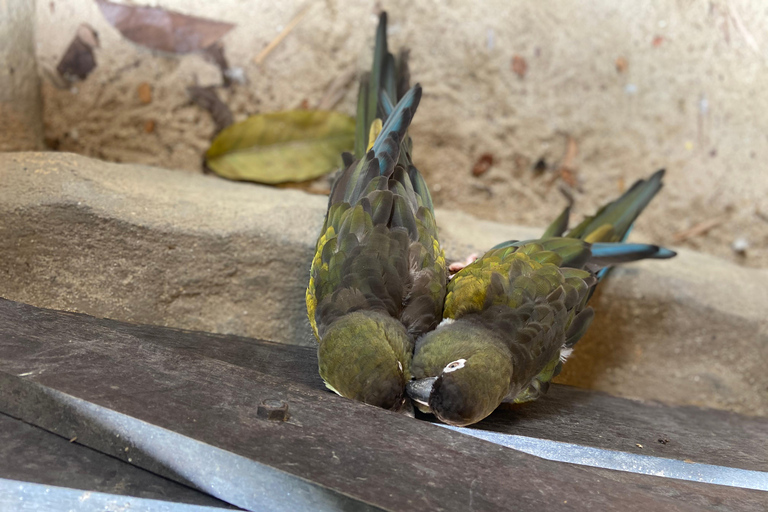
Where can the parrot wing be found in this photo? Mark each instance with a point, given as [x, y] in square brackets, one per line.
[378, 248]
[522, 293]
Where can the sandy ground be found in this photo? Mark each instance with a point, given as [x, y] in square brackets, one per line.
[676, 84]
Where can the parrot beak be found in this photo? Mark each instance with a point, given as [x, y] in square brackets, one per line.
[419, 390]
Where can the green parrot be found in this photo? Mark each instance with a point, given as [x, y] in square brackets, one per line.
[511, 318]
[378, 277]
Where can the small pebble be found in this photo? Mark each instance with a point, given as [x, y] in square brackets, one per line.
[236, 75]
[740, 246]
[519, 65]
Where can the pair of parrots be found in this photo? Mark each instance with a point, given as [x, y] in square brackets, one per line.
[393, 328]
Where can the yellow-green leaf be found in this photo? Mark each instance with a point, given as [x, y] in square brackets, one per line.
[278, 147]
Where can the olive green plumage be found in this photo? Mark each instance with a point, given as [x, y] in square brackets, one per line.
[378, 277]
[513, 316]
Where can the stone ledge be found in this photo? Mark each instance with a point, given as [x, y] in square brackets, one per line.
[150, 245]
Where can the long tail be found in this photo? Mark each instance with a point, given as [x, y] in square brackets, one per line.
[380, 89]
[385, 107]
[613, 221]
[611, 224]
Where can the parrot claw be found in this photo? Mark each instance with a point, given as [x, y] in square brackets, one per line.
[457, 266]
[405, 408]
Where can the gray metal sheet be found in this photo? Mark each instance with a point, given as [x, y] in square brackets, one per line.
[16, 496]
[624, 461]
[31, 454]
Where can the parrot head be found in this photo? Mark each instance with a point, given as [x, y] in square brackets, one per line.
[461, 372]
[366, 356]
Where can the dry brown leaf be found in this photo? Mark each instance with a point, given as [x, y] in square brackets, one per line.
[149, 126]
[207, 98]
[482, 165]
[519, 65]
[145, 93]
[568, 175]
[567, 171]
[79, 61]
[571, 150]
[215, 54]
[163, 30]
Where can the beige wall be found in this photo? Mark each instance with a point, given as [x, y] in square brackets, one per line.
[693, 98]
[21, 125]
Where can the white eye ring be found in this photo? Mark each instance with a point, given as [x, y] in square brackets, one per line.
[455, 365]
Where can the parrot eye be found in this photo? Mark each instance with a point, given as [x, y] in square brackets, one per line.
[455, 365]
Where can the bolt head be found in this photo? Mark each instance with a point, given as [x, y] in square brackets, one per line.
[272, 409]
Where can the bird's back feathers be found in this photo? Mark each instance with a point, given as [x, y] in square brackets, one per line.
[378, 249]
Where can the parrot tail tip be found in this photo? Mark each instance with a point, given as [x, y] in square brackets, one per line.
[664, 253]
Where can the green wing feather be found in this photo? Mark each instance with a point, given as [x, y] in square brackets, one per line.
[613, 221]
[378, 248]
[546, 300]
[531, 272]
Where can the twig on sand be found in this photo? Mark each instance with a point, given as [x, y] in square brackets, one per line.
[282, 35]
[699, 229]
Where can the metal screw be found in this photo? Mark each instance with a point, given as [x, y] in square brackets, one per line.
[271, 409]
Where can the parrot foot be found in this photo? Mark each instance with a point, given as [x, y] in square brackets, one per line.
[457, 266]
[406, 408]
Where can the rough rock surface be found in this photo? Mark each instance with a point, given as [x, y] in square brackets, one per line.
[150, 245]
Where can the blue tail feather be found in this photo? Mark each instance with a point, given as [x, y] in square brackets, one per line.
[394, 129]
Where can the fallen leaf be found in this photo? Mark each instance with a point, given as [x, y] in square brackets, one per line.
[79, 61]
[149, 126]
[621, 64]
[207, 98]
[567, 171]
[482, 165]
[278, 147]
[145, 93]
[215, 54]
[568, 175]
[162, 30]
[571, 150]
[519, 65]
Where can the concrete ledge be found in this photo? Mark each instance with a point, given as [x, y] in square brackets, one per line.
[164, 247]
